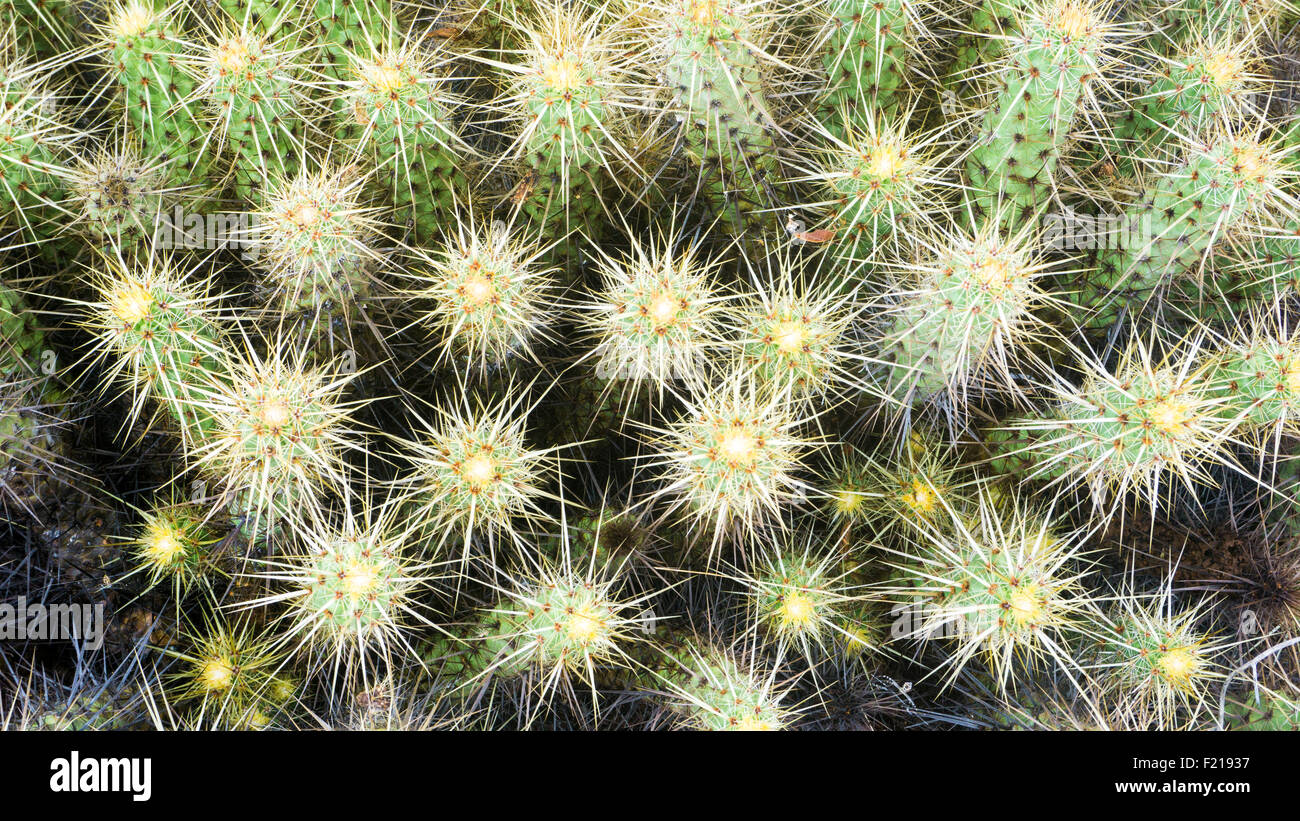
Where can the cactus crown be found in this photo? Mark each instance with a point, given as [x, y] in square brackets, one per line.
[657, 319]
[963, 315]
[474, 473]
[731, 460]
[802, 599]
[883, 182]
[1161, 664]
[173, 544]
[317, 239]
[228, 669]
[1146, 425]
[1000, 579]
[119, 197]
[792, 337]
[488, 294]
[352, 588]
[711, 690]
[162, 334]
[280, 433]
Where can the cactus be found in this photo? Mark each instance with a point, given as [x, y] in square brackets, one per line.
[1201, 86]
[1150, 424]
[713, 61]
[920, 489]
[963, 317]
[865, 49]
[556, 627]
[569, 98]
[1056, 54]
[474, 475]
[353, 591]
[148, 59]
[649, 364]
[174, 545]
[793, 339]
[1159, 663]
[984, 40]
[163, 335]
[318, 245]
[346, 28]
[400, 116]
[605, 542]
[1265, 711]
[1001, 583]
[711, 690]
[47, 28]
[278, 435]
[33, 451]
[122, 201]
[657, 319]
[882, 183]
[226, 673]
[1259, 380]
[1187, 211]
[804, 600]
[255, 86]
[1183, 21]
[487, 295]
[33, 148]
[730, 461]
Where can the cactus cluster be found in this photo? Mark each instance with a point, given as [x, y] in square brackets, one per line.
[641, 364]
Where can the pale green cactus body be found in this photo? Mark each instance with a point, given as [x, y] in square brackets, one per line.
[568, 97]
[120, 201]
[486, 296]
[1160, 662]
[22, 340]
[317, 244]
[732, 459]
[355, 587]
[995, 582]
[865, 55]
[352, 27]
[882, 188]
[175, 545]
[255, 89]
[712, 66]
[1179, 23]
[1142, 428]
[710, 690]
[1259, 380]
[1265, 711]
[1200, 87]
[962, 322]
[806, 601]
[559, 626]
[148, 60]
[33, 147]
[1263, 267]
[1056, 54]
[474, 476]
[400, 117]
[793, 344]
[1184, 215]
[984, 40]
[165, 340]
[276, 442]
